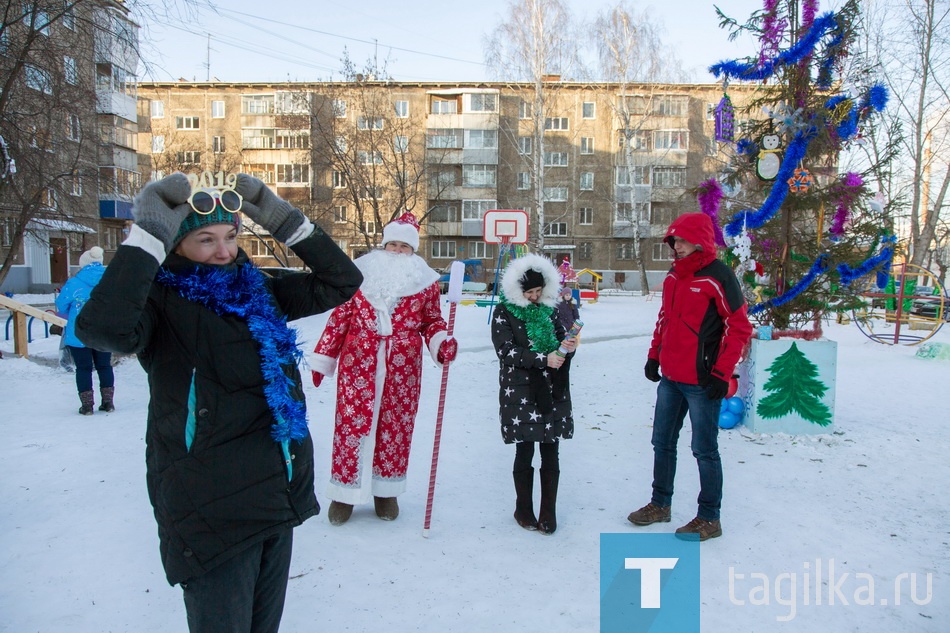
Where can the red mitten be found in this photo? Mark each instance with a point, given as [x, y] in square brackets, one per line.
[317, 378]
[448, 350]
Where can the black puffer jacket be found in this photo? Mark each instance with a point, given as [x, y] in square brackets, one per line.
[227, 488]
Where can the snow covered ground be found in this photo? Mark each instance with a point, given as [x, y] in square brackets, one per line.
[80, 553]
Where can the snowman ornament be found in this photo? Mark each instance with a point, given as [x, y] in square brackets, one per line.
[770, 158]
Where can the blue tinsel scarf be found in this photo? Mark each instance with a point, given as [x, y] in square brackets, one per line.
[242, 292]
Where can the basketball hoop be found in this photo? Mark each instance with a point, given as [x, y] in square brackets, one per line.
[505, 227]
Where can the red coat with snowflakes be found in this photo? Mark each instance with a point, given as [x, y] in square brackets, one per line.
[379, 356]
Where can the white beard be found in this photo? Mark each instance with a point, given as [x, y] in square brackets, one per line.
[388, 277]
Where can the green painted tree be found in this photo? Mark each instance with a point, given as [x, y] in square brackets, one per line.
[796, 387]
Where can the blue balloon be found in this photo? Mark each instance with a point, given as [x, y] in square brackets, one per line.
[728, 419]
[736, 405]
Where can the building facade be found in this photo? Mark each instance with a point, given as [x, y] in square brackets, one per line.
[353, 155]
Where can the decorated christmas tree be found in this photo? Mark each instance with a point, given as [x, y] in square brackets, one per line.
[795, 387]
[806, 238]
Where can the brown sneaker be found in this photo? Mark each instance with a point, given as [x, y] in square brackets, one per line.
[650, 514]
[339, 513]
[386, 508]
[699, 527]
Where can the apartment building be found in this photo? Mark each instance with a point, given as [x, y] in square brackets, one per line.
[353, 155]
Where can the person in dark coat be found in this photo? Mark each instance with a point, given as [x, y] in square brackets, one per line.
[534, 388]
[69, 302]
[567, 311]
[700, 333]
[228, 453]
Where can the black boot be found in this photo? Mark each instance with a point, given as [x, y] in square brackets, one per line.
[88, 400]
[547, 517]
[107, 394]
[524, 502]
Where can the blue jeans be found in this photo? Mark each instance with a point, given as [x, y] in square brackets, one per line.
[673, 401]
[244, 594]
[86, 358]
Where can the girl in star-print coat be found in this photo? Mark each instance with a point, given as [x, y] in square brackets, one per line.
[534, 389]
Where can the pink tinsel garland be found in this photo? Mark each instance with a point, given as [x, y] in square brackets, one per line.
[851, 183]
[809, 10]
[709, 196]
[772, 28]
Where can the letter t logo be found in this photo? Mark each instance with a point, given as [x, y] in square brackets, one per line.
[649, 578]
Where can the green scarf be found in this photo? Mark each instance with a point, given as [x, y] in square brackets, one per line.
[537, 320]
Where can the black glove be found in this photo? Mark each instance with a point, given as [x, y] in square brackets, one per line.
[716, 388]
[161, 207]
[277, 216]
[652, 370]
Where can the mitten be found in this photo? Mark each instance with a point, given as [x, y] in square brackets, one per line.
[652, 370]
[161, 207]
[716, 388]
[317, 378]
[448, 351]
[277, 216]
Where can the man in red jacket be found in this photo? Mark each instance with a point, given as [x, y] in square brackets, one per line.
[700, 333]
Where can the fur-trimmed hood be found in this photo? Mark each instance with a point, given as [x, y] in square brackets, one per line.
[511, 280]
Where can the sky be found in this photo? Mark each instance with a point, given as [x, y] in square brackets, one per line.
[865, 499]
[285, 40]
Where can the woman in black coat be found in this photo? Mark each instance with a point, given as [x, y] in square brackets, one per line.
[534, 389]
[228, 453]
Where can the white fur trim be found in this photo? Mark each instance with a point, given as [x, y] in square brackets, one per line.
[303, 232]
[434, 345]
[401, 232]
[140, 238]
[511, 280]
[322, 364]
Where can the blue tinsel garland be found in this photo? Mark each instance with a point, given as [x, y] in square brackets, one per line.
[242, 292]
[849, 274]
[820, 266]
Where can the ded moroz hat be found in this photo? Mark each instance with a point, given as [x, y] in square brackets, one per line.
[405, 228]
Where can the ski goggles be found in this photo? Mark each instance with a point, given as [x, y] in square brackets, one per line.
[203, 201]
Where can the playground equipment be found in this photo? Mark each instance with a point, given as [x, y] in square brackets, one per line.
[22, 334]
[897, 315]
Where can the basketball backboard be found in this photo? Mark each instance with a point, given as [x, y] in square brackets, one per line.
[506, 226]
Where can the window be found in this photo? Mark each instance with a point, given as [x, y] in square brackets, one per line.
[479, 250]
[217, 144]
[524, 145]
[627, 212]
[188, 158]
[217, 109]
[639, 140]
[443, 249]
[69, 19]
[369, 158]
[296, 174]
[40, 21]
[111, 236]
[340, 144]
[641, 175]
[73, 130]
[664, 214]
[711, 111]
[157, 109]
[339, 108]
[671, 139]
[587, 145]
[587, 181]
[49, 198]
[371, 193]
[75, 185]
[555, 159]
[255, 138]
[369, 122]
[290, 102]
[556, 123]
[555, 229]
[339, 214]
[524, 110]
[555, 194]
[338, 179]
[444, 138]
[625, 250]
[589, 110]
[524, 180]
[483, 102]
[402, 109]
[292, 139]
[668, 105]
[369, 228]
[444, 106]
[38, 79]
[669, 176]
[478, 175]
[444, 213]
[443, 177]
[481, 139]
[712, 147]
[257, 104]
[400, 144]
[69, 71]
[585, 216]
[662, 252]
[585, 251]
[187, 123]
[475, 209]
